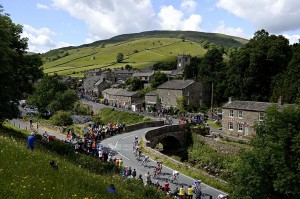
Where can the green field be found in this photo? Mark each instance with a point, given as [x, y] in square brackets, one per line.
[27, 174]
[140, 50]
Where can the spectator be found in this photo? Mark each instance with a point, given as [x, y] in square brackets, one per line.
[190, 192]
[133, 173]
[111, 189]
[30, 142]
[181, 192]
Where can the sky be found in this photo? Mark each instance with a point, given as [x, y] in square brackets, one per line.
[52, 24]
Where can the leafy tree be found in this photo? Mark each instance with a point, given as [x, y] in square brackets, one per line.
[257, 66]
[164, 66]
[18, 71]
[53, 95]
[181, 103]
[128, 67]
[62, 118]
[134, 84]
[182, 37]
[191, 70]
[271, 168]
[211, 71]
[120, 57]
[289, 85]
[158, 79]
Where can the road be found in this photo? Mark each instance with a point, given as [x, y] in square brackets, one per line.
[121, 145]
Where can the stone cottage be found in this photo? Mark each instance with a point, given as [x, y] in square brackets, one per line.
[240, 117]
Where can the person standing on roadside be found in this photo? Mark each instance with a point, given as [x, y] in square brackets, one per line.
[30, 141]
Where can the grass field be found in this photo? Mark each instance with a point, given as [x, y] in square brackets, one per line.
[139, 53]
[27, 174]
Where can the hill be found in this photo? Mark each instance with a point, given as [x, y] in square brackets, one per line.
[27, 174]
[139, 49]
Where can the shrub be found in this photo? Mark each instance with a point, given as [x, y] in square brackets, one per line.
[62, 118]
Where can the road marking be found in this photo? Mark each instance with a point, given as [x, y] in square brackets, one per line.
[116, 144]
[123, 156]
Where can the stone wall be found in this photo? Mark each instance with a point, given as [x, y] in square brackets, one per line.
[180, 132]
[221, 147]
[143, 125]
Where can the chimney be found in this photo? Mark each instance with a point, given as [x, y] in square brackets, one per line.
[280, 101]
[229, 99]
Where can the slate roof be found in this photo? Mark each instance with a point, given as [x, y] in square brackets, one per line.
[124, 71]
[176, 84]
[143, 74]
[152, 93]
[251, 105]
[119, 92]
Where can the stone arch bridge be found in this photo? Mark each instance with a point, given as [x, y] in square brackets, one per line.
[171, 137]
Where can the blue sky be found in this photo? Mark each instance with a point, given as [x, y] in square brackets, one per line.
[51, 24]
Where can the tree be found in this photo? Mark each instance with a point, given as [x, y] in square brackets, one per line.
[271, 168]
[134, 84]
[128, 67]
[62, 118]
[254, 70]
[289, 85]
[158, 79]
[182, 37]
[120, 57]
[52, 95]
[191, 70]
[211, 70]
[181, 103]
[18, 71]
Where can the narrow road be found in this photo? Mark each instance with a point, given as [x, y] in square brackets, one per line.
[122, 144]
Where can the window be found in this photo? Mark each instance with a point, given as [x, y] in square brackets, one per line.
[188, 102]
[230, 113]
[188, 93]
[240, 114]
[261, 117]
[240, 127]
[168, 92]
[230, 126]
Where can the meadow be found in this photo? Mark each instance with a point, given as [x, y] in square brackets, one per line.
[138, 53]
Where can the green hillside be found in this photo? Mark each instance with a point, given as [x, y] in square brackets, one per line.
[27, 174]
[139, 49]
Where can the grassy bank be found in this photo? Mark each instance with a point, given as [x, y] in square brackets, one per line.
[27, 174]
[108, 115]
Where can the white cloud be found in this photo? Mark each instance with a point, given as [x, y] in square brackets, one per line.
[112, 17]
[188, 5]
[221, 28]
[39, 40]
[292, 38]
[273, 15]
[170, 18]
[42, 6]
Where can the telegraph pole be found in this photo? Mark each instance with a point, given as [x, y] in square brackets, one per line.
[212, 98]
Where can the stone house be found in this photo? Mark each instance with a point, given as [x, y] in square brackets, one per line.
[88, 84]
[146, 77]
[100, 85]
[150, 98]
[195, 93]
[96, 72]
[240, 117]
[120, 97]
[123, 75]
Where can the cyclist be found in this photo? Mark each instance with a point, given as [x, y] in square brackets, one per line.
[146, 159]
[196, 185]
[174, 176]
